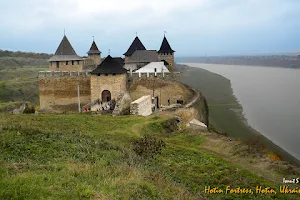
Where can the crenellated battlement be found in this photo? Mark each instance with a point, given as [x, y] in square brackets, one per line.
[43, 74]
[132, 75]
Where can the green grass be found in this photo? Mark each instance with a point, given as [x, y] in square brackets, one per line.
[19, 84]
[9, 106]
[225, 110]
[87, 157]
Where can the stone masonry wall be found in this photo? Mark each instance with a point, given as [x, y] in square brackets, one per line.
[141, 106]
[59, 94]
[96, 58]
[116, 84]
[63, 66]
[170, 59]
[163, 89]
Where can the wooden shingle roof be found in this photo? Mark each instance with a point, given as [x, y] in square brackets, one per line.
[143, 56]
[65, 52]
[136, 45]
[94, 49]
[165, 47]
[109, 66]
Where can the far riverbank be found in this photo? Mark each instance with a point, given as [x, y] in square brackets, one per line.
[225, 110]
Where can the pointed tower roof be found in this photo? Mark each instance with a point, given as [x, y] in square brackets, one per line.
[109, 66]
[136, 45]
[94, 49]
[165, 47]
[65, 52]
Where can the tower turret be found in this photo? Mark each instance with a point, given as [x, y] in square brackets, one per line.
[94, 54]
[166, 53]
[65, 58]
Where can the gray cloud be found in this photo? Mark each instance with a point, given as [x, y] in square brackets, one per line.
[203, 21]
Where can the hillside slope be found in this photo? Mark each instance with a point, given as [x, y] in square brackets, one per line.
[103, 157]
[22, 59]
[18, 78]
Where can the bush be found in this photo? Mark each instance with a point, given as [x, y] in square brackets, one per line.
[3, 84]
[29, 110]
[148, 147]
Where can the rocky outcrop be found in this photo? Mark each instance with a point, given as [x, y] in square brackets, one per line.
[122, 106]
[196, 124]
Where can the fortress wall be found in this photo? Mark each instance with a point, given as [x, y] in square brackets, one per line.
[59, 94]
[116, 84]
[163, 89]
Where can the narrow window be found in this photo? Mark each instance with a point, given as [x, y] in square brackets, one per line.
[67, 62]
[99, 74]
[72, 62]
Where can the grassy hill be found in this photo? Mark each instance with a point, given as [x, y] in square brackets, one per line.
[103, 157]
[22, 59]
[18, 78]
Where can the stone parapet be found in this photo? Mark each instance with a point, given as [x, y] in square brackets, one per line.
[43, 74]
[141, 106]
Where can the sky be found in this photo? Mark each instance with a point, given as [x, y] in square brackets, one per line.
[194, 27]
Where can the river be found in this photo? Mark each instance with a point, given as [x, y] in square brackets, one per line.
[270, 97]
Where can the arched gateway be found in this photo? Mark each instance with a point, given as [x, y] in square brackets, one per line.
[106, 96]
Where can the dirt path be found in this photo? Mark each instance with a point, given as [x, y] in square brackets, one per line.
[193, 101]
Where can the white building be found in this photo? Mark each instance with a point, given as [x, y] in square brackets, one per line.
[158, 67]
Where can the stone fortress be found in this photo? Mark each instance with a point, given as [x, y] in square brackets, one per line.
[75, 83]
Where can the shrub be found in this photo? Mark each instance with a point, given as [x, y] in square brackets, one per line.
[3, 84]
[148, 147]
[29, 109]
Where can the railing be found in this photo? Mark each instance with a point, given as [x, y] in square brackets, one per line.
[166, 75]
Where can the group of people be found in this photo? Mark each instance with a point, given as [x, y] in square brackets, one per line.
[100, 106]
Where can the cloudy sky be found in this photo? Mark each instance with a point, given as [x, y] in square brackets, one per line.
[194, 27]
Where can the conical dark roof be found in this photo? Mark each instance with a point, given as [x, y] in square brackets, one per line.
[165, 47]
[136, 45]
[65, 52]
[94, 49]
[109, 66]
[65, 48]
